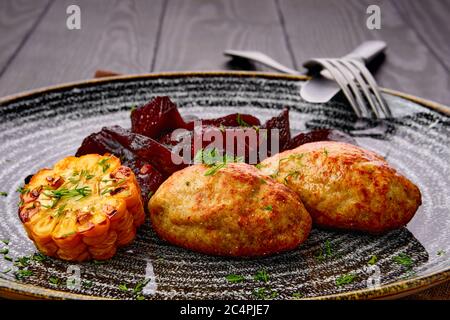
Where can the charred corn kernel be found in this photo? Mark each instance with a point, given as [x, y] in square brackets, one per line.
[83, 208]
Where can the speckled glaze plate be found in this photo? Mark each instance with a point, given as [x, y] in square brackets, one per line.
[40, 127]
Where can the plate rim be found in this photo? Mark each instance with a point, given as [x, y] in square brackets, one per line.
[12, 289]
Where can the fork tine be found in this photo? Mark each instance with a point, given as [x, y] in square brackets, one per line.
[350, 81]
[362, 84]
[372, 86]
[342, 83]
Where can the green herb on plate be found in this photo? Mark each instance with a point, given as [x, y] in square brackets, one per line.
[404, 260]
[54, 280]
[345, 279]
[262, 276]
[297, 295]
[234, 278]
[373, 260]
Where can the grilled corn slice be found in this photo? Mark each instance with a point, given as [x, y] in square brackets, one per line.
[83, 208]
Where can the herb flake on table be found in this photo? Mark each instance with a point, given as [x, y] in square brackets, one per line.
[5, 241]
[440, 253]
[4, 251]
[235, 278]
[3, 194]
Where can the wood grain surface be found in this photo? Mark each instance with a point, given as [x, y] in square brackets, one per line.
[196, 32]
[409, 66]
[139, 36]
[17, 21]
[116, 35]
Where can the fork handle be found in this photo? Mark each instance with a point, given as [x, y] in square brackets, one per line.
[367, 50]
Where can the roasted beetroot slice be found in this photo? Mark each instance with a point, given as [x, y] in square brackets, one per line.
[231, 120]
[320, 135]
[156, 118]
[148, 178]
[280, 122]
[101, 142]
[147, 150]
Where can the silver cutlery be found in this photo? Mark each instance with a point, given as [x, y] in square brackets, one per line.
[348, 74]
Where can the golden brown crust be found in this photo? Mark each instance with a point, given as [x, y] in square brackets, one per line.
[235, 212]
[347, 187]
[83, 208]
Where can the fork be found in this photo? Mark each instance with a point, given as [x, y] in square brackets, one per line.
[356, 82]
[349, 73]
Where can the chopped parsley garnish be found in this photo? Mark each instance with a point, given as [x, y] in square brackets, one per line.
[259, 165]
[404, 260]
[293, 174]
[373, 260]
[54, 280]
[4, 251]
[3, 193]
[262, 276]
[240, 121]
[122, 287]
[440, 253]
[294, 156]
[5, 241]
[23, 190]
[22, 262]
[234, 278]
[345, 279]
[325, 152]
[211, 171]
[39, 257]
[297, 295]
[60, 210]
[102, 163]
[6, 257]
[325, 252]
[150, 194]
[265, 293]
[140, 297]
[23, 273]
[268, 208]
[7, 270]
[69, 193]
[68, 234]
[213, 160]
[87, 283]
[140, 285]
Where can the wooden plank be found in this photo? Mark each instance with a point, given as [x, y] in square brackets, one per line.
[430, 21]
[17, 21]
[196, 32]
[332, 28]
[117, 35]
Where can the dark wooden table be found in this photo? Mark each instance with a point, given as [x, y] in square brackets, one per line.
[141, 36]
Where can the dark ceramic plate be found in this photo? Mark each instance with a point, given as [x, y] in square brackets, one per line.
[38, 128]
